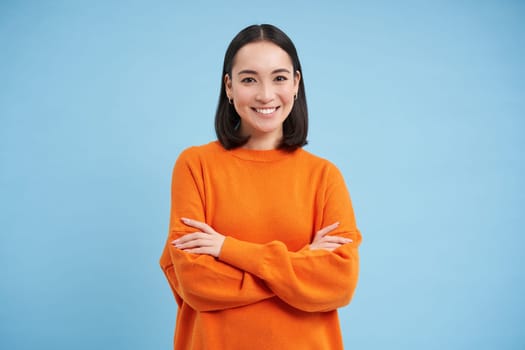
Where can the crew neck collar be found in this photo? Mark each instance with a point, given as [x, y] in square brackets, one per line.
[271, 155]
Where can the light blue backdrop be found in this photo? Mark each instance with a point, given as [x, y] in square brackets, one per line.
[420, 103]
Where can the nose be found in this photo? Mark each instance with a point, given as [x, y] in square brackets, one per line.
[265, 94]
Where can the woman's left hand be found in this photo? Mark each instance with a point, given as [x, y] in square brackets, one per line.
[205, 241]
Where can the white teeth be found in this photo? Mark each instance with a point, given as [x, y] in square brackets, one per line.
[265, 110]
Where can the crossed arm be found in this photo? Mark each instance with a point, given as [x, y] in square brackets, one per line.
[208, 241]
[210, 271]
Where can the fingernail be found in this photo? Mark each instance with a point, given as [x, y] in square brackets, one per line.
[185, 219]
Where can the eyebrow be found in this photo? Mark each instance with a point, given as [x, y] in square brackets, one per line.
[249, 71]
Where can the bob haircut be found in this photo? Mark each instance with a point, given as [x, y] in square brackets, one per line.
[295, 127]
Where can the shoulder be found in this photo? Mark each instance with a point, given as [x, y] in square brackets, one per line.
[195, 158]
[322, 170]
[201, 152]
[316, 161]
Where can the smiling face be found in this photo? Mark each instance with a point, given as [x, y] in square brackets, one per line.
[262, 86]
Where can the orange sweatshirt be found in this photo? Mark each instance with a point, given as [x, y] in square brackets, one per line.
[266, 290]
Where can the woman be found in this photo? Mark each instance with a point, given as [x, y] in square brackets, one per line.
[263, 245]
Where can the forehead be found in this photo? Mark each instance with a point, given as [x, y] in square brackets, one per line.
[261, 56]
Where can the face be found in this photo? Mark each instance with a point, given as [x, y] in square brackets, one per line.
[262, 86]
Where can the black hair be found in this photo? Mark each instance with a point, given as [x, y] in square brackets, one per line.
[295, 127]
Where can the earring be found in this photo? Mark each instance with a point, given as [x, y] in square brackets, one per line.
[230, 100]
[295, 97]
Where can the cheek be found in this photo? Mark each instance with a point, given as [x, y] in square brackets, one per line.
[286, 94]
[287, 97]
[242, 96]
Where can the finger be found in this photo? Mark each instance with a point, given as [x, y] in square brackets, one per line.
[189, 237]
[329, 246]
[336, 239]
[325, 246]
[198, 250]
[194, 244]
[202, 250]
[196, 238]
[197, 224]
[322, 232]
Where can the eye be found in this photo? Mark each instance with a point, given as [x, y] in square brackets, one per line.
[248, 80]
[281, 78]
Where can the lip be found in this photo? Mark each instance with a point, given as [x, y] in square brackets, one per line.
[265, 111]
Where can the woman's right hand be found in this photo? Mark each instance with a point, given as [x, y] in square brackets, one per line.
[326, 242]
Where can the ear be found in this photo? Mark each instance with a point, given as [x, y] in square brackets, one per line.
[228, 85]
[296, 80]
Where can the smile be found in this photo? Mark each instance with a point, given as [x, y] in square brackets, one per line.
[265, 110]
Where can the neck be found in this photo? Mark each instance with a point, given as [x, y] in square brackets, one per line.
[264, 141]
[261, 145]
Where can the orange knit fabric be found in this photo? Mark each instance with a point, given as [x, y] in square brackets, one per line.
[266, 290]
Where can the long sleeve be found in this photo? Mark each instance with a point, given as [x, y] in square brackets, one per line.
[267, 289]
[202, 281]
[307, 280]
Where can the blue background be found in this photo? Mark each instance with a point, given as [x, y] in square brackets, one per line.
[420, 103]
